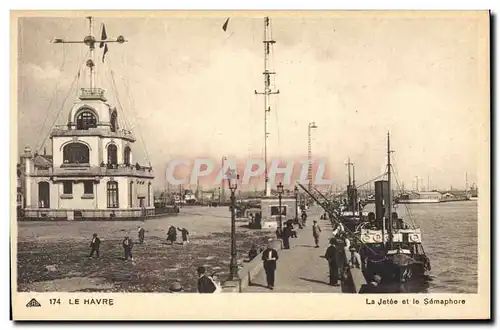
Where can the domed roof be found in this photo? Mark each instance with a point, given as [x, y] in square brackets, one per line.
[98, 108]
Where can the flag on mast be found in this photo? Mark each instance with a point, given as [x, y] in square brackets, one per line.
[104, 36]
[104, 52]
[224, 27]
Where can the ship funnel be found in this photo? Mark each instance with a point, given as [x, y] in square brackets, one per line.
[381, 198]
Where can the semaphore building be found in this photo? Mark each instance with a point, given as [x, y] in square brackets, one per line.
[91, 172]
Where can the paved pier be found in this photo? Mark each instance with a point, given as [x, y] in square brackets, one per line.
[302, 268]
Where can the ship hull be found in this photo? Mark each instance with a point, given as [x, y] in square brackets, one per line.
[418, 201]
[455, 200]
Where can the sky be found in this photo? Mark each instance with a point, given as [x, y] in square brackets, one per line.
[186, 89]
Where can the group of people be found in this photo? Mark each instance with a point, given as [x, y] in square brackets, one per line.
[128, 243]
[172, 235]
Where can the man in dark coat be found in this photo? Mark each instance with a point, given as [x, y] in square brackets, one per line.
[94, 246]
[127, 247]
[269, 257]
[205, 284]
[140, 234]
[171, 235]
[331, 257]
[287, 233]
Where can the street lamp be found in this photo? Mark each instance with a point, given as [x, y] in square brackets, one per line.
[296, 191]
[280, 192]
[233, 185]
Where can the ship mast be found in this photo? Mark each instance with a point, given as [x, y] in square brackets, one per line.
[354, 192]
[349, 186]
[268, 43]
[389, 206]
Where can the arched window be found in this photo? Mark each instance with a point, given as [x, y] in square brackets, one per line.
[75, 153]
[112, 154]
[126, 155]
[112, 192]
[114, 123]
[86, 120]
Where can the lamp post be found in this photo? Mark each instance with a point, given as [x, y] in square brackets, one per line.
[280, 192]
[309, 153]
[296, 191]
[233, 266]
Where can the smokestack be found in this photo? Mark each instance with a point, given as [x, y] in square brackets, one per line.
[381, 198]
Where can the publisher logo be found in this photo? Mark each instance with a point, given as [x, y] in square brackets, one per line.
[33, 303]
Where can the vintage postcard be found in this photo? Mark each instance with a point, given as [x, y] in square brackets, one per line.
[217, 165]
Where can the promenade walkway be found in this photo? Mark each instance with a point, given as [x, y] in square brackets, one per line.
[302, 268]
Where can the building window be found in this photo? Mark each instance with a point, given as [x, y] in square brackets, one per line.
[76, 153]
[112, 190]
[275, 210]
[114, 124]
[88, 188]
[149, 194]
[126, 155]
[86, 120]
[130, 192]
[67, 188]
[43, 195]
[112, 154]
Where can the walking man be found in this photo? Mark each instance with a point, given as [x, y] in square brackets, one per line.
[94, 246]
[127, 247]
[331, 257]
[316, 232]
[269, 257]
[140, 233]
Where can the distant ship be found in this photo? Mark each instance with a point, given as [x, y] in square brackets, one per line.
[455, 197]
[425, 197]
[419, 197]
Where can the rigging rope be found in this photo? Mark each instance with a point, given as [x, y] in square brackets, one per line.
[123, 120]
[274, 85]
[123, 110]
[364, 184]
[64, 101]
[138, 127]
[54, 92]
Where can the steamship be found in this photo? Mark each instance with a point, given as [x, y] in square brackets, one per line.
[392, 248]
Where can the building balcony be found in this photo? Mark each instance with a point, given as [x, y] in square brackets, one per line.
[92, 94]
[67, 171]
[63, 130]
